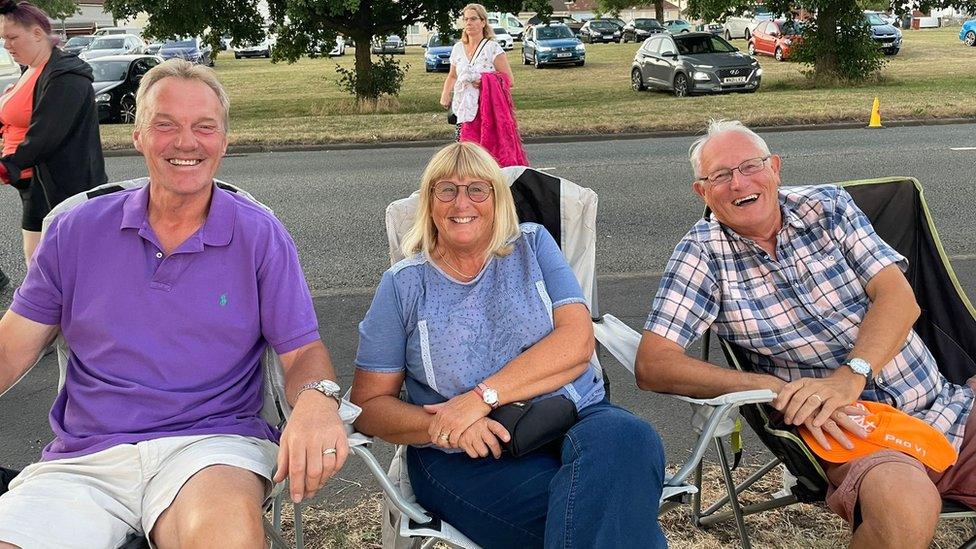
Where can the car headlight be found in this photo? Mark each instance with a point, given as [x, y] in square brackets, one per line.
[430, 57]
[759, 72]
[103, 98]
[616, 33]
[788, 41]
[897, 32]
[580, 47]
[702, 76]
[544, 48]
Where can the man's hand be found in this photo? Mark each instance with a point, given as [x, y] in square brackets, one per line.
[312, 432]
[838, 425]
[482, 437]
[453, 417]
[818, 399]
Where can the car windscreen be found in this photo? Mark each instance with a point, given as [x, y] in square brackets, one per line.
[79, 41]
[874, 19]
[436, 41]
[791, 27]
[499, 30]
[108, 44]
[109, 71]
[647, 24]
[180, 44]
[691, 45]
[553, 33]
[603, 25]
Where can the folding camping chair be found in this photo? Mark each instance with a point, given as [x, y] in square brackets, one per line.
[275, 409]
[897, 209]
[568, 212]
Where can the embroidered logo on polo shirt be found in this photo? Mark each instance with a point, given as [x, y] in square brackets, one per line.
[222, 300]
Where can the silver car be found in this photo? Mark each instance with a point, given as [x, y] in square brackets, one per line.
[113, 44]
[692, 63]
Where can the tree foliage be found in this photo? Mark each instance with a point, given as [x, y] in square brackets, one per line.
[614, 7]
[58, 9]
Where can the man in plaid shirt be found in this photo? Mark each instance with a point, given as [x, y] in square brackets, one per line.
[800, 279]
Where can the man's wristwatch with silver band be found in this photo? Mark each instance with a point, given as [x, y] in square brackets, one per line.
[327, 387]
[860, 366]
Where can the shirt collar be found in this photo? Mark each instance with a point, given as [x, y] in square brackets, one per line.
[217, 229]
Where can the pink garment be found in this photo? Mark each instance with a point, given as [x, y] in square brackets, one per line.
[494, 127]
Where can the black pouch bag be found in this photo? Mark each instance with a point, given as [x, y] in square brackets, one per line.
[533, 424]
[452, 118]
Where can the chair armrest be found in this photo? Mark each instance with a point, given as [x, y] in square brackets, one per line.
[618, 338]
[738, 398]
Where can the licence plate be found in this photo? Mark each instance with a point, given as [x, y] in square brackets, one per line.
[608, 37]
[567, 54]
[735, 80]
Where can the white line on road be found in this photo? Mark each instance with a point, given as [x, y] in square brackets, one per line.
[545, 169]
[962, 148]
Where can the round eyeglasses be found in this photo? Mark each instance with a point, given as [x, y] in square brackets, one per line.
[747, 167]
[447, 191]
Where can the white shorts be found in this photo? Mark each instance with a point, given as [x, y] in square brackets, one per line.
[98, 499]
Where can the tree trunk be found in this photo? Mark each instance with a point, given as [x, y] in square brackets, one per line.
[827, 62]
[364, 67]
[659, 10]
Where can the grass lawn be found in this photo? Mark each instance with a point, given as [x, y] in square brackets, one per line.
[275, 104]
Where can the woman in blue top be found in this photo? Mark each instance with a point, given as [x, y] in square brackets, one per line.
[485, 312]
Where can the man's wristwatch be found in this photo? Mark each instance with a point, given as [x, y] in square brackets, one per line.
[327, 387]
[860, 366]
[487, 394]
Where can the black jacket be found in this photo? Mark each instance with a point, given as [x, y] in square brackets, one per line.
[62, 143]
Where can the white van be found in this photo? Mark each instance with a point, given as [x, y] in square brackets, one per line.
[507, 21]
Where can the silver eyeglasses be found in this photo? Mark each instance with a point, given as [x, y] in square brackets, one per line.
[747, 167]
[447, 191]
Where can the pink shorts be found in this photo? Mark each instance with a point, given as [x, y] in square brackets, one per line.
[957, 483]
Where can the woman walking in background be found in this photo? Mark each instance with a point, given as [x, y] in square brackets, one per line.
[51, 145]
[480, 81]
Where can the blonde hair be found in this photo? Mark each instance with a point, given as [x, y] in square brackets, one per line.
[483, 14]
[183, 69]
[463, 160]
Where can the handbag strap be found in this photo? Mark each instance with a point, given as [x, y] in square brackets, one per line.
[477, 52]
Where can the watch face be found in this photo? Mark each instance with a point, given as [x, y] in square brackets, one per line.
[328, 386]
[490, 396]
[860, 366]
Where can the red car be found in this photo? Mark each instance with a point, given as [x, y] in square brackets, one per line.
[775, 38]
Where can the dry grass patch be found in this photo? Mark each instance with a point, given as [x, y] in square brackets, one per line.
[276, 104]
[801, 525]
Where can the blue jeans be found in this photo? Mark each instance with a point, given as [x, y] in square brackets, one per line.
[599, 488]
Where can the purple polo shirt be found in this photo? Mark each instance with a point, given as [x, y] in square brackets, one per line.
[164, 345]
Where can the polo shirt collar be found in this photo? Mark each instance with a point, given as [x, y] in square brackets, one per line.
[217, 230]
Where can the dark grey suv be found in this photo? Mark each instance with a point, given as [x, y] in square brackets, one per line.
[697, 62]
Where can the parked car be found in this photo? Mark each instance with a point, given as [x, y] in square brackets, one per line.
[509, 22]
[775, 38]
[108, 31]
[639, 30]
[77, 44]
[192, 49]
[691, 63]
[743, 25]
[9, 70]
[438, 54]
[113, 44]
[153, 48]
[599, 30]
[616, 21]
[677, 26]
[261, 49]
[117, 79]
[552, 44]
[889, 18]
[968, 33]
[714, 28]
[392, 44]
[888, 37]
[340, 47]
[504, 39]
[573, 24]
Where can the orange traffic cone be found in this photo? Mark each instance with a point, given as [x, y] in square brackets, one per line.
[875, 115]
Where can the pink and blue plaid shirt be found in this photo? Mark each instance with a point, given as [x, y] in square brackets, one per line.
[798, 314]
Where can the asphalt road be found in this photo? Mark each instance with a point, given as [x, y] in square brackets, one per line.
[333, 203]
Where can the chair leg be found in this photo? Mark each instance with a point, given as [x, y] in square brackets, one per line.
[299, 533]
[740, 522]
[276, 510]
[274, 535]
[696, 497]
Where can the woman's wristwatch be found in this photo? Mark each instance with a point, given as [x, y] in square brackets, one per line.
[327, 387]
[488, 395]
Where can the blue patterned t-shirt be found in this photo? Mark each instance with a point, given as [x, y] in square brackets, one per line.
[449, 336]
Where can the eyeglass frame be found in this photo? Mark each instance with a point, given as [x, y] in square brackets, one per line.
[732, 170]
[472, 19]
[467, 191]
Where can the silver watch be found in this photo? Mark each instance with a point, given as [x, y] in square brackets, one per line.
[860, 366]
[327, 387]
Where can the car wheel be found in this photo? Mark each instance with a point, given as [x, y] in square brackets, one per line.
[127, 110]
[580, 63]
[537, 62]
[728, 34]
[267, 54]
[892, 51]
[971, 38]
[683, 31]
[237, 55]
[747, 35]
[680, 85]
[525, 60]
[778, 54]
[636, 82]
[752, 48]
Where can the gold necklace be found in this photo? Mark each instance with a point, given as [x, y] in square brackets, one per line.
[455, 269]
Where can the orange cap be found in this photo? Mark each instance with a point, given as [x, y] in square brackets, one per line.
[891, 429]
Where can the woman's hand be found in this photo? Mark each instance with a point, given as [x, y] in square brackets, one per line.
[484, 436]
[446, 102]
[453, 417]
[476, 84]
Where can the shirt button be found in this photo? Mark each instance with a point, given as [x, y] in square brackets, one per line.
[159, 255]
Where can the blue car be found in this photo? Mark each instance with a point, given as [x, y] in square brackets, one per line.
[968, 33]
[552, 44]
[887, 37]
[191, 49]
[438, 54]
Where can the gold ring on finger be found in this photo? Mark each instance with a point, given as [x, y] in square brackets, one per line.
[328, 451]
[445, 436]
[818, 397]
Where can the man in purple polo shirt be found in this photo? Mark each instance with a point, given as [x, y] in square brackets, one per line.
[167, 296]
